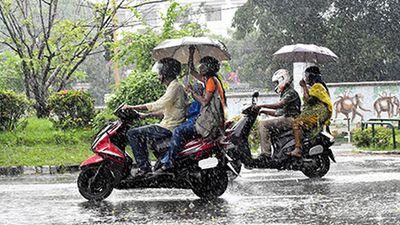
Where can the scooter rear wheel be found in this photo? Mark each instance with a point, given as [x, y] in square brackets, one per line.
[95, 187]
[212, 184]
[323, 165]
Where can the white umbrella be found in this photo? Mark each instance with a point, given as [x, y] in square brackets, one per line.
[179, 49]
[305, 53]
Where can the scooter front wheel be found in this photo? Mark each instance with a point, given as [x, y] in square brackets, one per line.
[237, 166]
[95, 183]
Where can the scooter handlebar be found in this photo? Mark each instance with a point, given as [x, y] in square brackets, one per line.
[126, 114]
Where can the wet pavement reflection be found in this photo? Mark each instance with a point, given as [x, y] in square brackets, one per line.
[357, 190]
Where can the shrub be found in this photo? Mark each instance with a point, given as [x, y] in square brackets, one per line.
[382, 139]
[137, 88]
[72, 109]
[12, 108]
[103, 118]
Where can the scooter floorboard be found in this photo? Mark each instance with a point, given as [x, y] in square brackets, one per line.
[150, 180]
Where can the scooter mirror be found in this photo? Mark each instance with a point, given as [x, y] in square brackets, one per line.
[256, 94]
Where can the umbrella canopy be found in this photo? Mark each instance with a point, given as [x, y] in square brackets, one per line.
[305, 53]
[179, 49]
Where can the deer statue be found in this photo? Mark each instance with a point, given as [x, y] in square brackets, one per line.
[349, 105]
[386, 103]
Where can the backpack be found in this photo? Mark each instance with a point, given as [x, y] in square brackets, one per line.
[209, 123]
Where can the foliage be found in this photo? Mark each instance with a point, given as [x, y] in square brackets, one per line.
[368, 44]
[382, 139]
[361, 33]
[12, 108]
[72, 109]
[52, 44]
[42, 144]
[272, 24]
[141, 44]
[11, 75]
[102, 118]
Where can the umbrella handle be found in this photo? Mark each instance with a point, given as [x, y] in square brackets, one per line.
[190, 64]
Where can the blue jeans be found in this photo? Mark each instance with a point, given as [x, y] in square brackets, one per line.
[138, 140]
[184, 132]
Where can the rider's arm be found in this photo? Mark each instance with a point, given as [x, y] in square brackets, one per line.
[159, 115]
[276, 105]
[169, 95]
[306, 93]
[270, 112]
[203, 100]
[211, 86]
[137, 107]
[193, 71]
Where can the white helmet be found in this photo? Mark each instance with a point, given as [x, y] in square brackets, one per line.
[281, 78]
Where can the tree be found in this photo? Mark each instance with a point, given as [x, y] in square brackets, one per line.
[10, 75]
[272, 24]
[51, 47]
[141, 44]
[364, 34]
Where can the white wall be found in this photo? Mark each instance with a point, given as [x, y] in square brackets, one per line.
[368, 91]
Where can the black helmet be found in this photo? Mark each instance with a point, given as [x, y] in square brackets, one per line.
[211, 64]
[167, 67]
[314, 70]
[312, 75]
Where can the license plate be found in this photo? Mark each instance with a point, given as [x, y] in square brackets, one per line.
[208, 163]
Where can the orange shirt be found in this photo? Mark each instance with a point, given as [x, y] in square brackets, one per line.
[210, 87]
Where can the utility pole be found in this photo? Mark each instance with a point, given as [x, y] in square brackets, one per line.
[115, 36]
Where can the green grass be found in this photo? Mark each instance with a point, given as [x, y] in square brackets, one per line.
[41, 144]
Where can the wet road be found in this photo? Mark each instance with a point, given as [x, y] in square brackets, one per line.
[357, 190]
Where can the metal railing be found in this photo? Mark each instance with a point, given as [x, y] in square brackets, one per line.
[378, 121]
[387, 120]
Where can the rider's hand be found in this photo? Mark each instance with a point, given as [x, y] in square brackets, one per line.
[189, 88]
[126, 107]
[142, 115]
[303, 83]
[257, 107]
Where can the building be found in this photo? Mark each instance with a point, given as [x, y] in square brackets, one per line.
[213, 15]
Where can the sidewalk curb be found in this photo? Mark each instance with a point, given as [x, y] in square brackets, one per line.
[394, 152]
[30, 170]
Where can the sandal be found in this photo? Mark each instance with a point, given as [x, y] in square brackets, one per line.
[295, 153]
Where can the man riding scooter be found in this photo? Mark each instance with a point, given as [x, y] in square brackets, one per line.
[281, 112]
[171, 107]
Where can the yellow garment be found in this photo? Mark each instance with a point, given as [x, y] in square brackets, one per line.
[172, 104]
[318, 91]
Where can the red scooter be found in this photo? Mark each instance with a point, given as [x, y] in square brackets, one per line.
[202, 165]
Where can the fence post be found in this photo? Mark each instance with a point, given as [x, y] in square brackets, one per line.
[373, 134]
